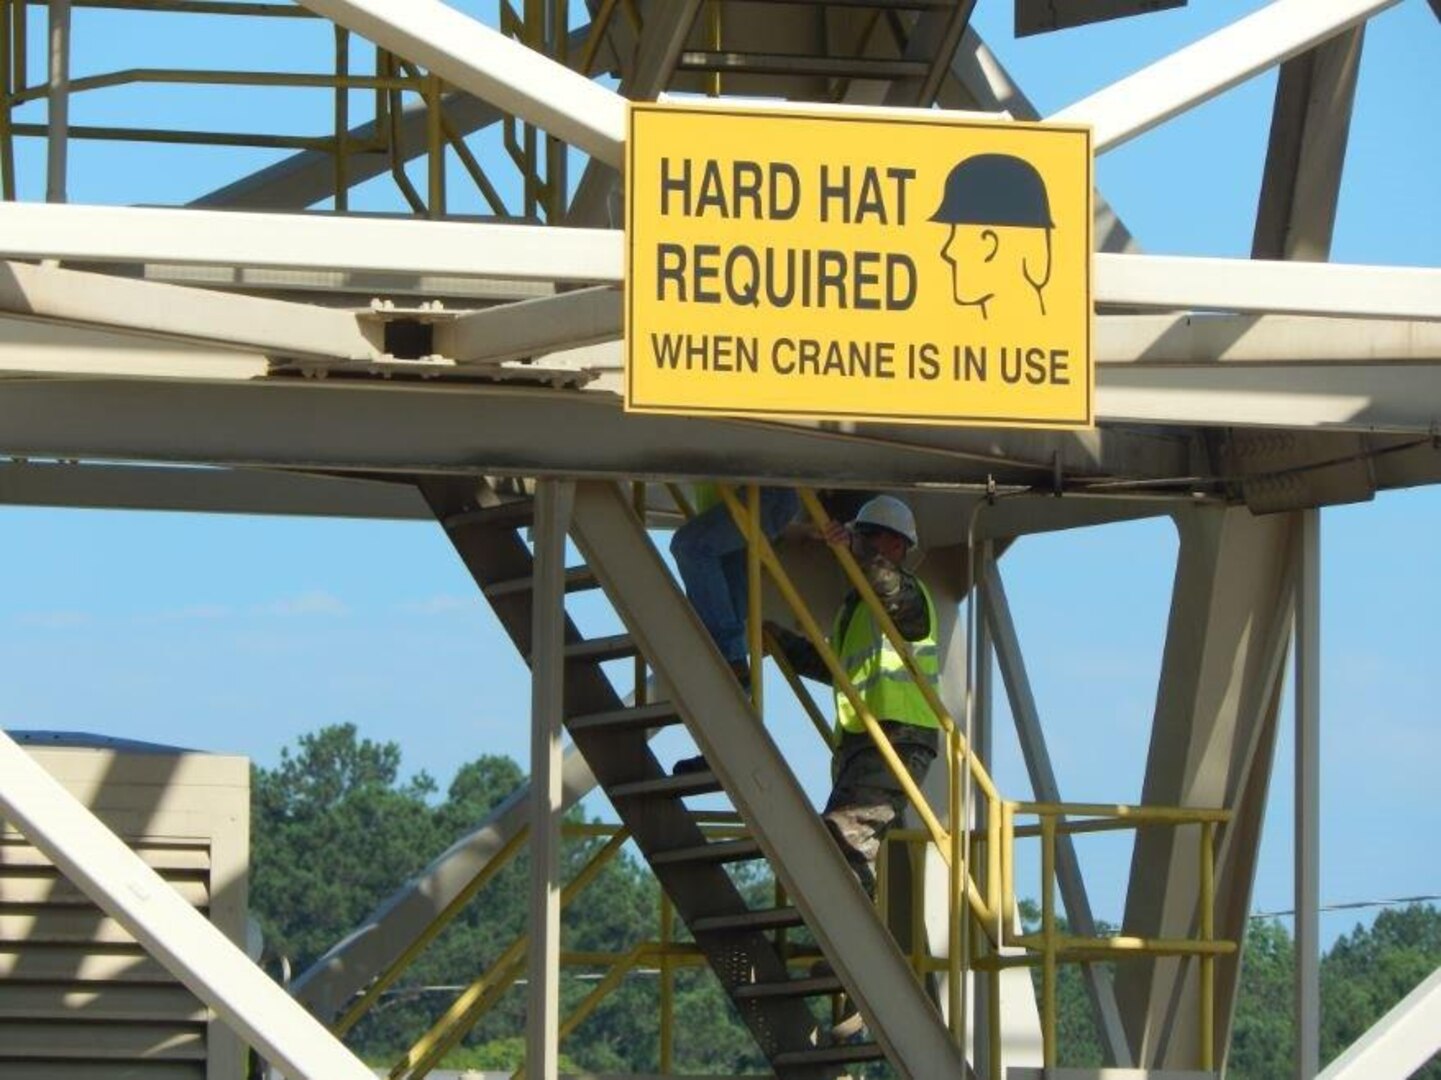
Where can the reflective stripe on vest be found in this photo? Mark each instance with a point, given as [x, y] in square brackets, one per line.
[878, 673]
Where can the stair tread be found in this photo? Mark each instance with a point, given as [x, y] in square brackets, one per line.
[695, 783]
[811, 986]
[577, 578]
[511, 514]
[840, 1054]
[719, 851]
[763, 919]
[610, 647]
[655, 714]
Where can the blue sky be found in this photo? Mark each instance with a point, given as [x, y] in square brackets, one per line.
[239, 634]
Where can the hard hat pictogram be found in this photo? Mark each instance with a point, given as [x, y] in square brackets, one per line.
[999, 214]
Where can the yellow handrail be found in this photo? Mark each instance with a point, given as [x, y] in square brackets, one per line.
[818, 638]
[463, 1013]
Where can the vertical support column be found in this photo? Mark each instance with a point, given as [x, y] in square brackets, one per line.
[59, 101]
[1308, 798]
[1211, 746]
[553, 500]
[982, 743]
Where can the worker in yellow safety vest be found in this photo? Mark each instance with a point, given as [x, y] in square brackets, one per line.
[866, 798]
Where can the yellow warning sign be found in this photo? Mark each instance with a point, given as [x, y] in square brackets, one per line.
[903, 267]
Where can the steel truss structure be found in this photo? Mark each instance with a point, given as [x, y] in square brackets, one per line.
[250, 353]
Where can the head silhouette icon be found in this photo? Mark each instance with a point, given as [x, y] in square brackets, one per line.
[999, 245]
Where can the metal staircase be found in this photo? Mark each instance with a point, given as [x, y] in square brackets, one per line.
[737, 941]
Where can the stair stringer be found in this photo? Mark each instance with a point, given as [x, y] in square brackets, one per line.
[494, 553]
[761, 785]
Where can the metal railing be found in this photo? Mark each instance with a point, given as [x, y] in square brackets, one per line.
[988, 899]
[539, 160]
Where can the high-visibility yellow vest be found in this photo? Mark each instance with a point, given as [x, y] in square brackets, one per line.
[704, 495]
[879, 674]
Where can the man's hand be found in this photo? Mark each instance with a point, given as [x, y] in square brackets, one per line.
[836, 534]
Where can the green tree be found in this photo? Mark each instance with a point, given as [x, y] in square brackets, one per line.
[334, 830]
[1370, 969]
[1262, 1039]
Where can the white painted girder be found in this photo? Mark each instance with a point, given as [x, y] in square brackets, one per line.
[236, 321]
[1347, 397]
[1219, 61]
[466, 53]
[1399, 1043]
[124, 234]
[311, 242]
[190, 947]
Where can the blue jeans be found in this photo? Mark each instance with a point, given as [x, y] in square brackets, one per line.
[710, 554]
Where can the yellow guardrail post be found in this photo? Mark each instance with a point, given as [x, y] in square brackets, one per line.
[1048, 936]
[342, 119]
[954, 911]
[754, 615]
[916, 859]
[1008, 872]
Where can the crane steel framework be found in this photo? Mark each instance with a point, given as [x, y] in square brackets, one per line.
[432, 364]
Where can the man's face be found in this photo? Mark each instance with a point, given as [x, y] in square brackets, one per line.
[871, 540]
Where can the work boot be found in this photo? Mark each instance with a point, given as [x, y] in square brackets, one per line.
[741, 669]
[849, 1022]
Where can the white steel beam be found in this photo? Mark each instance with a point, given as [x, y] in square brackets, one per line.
[470, 55]
[1208, 67]
[1390, 397]
[1248, 285]
[1211, 746]
[1245, 339]
[189, 946]
[1399, 1043]
[532, 327]
[87, 485]
[274, 326]
[288, 241]
[30, 347]
[414, 428]
[123, 234]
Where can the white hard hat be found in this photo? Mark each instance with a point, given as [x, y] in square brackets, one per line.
[888, 512]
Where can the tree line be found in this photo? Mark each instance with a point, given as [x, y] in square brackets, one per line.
[336, 828]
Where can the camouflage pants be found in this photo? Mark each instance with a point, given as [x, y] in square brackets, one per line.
[866, 798]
